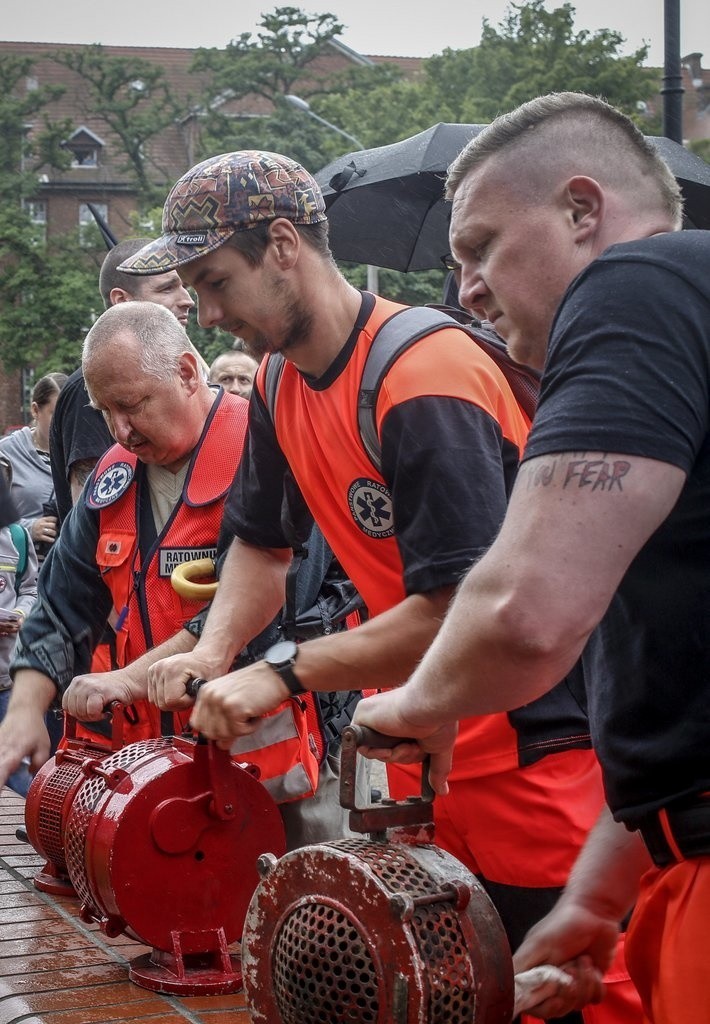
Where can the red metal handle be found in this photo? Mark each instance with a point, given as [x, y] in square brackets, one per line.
[415, 811]
[114, 712]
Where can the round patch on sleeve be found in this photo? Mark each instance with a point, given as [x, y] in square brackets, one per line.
[111, 484]
[371, 507]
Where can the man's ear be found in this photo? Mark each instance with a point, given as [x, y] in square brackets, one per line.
[585, 203]
[117, 295]
[285, 241]
[189, 371]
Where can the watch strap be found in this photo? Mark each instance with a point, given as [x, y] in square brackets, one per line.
[290, 678]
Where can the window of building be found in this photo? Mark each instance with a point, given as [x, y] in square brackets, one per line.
[36, 210]
[85, 147]
[87, 223]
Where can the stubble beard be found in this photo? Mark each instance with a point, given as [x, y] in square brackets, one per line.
[299, 325]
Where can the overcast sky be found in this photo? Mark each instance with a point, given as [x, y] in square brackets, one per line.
[412, 28]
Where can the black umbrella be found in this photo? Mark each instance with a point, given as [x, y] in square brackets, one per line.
[693, 176]
[386, 206]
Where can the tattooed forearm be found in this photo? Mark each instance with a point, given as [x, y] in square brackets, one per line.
[577, 470]
[599, 474]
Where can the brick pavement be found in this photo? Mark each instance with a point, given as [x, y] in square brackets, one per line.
[55, 969]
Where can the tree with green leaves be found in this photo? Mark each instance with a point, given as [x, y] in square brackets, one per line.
[532, 51]
[287, 56]
[535, 51]
[45, 294]
[133, 98]
[283, 54]
[21, 154]
[701, 148]
[48, 290]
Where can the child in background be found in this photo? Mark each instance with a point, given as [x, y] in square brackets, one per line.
[18, 592]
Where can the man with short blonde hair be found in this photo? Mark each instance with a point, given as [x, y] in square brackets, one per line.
[565, 224]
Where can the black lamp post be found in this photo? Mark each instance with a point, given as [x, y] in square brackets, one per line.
[672, 89]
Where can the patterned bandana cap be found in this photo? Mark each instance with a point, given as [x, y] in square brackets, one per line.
[222, 195]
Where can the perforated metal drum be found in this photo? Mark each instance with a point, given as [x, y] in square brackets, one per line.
[387, 929]
[49, 802]
[97, 784]
[161, 844]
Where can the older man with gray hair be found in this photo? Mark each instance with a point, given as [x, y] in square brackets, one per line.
[154, 498]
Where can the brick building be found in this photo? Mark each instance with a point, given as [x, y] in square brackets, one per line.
[97, 174]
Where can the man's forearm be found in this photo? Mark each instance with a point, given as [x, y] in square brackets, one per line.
[485, 638]
[249, 596]
[32, 689]
[605, 877]
[380, 653]
[137, 671]
[23, 733]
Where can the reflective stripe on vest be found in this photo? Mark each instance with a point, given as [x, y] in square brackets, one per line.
[282, 748]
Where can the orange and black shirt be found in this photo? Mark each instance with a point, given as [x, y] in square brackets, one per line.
[452, 435]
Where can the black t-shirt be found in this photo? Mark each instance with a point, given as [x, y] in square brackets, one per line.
[629, 371]
[77, 432]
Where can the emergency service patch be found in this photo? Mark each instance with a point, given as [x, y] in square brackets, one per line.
[168, 558]
[111, 484]
[371, 507]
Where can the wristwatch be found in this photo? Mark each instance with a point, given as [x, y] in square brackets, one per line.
[281, 657]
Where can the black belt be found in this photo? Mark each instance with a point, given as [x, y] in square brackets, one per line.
[679, 831]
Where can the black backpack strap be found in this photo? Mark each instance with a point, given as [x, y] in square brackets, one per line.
[400, 332]
[523, 381]
[272, 379]
[396, 335]
[287, 626]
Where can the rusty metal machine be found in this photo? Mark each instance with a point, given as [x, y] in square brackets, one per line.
[383, 929]
[159, 840]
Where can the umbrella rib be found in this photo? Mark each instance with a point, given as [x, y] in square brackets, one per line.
[432, 203]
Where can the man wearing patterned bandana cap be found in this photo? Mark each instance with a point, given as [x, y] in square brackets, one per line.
[214, 200]
[248, 232]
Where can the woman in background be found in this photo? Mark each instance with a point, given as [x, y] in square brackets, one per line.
[27, 451]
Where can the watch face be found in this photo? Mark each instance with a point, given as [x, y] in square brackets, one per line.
[283, 652]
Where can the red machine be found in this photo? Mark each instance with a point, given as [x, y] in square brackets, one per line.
[387, 929]
[50, 798]
[160, 840]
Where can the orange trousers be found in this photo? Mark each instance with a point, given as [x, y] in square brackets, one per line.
[668, 943]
